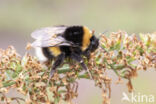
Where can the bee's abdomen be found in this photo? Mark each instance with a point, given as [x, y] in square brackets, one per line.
[51, 52]
[55, 51]
[47, 53]
[42, 54]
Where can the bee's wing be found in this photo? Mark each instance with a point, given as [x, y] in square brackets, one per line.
[58, 41]
[47, 32]
[49, 37]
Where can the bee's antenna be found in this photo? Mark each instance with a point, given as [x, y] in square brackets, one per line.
[103, 33]
[93, 31]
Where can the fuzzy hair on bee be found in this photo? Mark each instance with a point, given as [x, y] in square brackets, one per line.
[60, 42]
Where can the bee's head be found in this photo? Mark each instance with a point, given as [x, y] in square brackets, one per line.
[94, 43]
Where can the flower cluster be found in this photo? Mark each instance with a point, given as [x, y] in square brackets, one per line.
[124, 54]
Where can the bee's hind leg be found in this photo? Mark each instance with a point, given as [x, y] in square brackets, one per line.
[87, 54]
[59, 60]
[79, 59]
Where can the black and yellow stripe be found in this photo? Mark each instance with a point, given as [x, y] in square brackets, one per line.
[79, 35]
[86, 38]
[51, 52]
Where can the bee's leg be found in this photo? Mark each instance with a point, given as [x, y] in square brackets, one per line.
[58, 62]
[79, 59]
[87, 55]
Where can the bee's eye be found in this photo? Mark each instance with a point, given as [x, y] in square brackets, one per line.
[94, 43]
[92, 38]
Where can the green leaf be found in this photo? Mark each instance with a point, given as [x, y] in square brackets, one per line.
[83, 76]
[140, 50]
[118, 66]
[7, 83]
[14, 75]
[13, 65]
[56, 100]
[8, 74]
[145, 39]
[64, 70]
[117, 46]
[103, 45]
[50, 94]
[18, 68]
[131, 59]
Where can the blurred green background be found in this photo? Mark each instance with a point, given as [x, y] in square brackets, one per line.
[18, 18]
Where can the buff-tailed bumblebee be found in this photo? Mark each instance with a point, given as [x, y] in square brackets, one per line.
[60, 42]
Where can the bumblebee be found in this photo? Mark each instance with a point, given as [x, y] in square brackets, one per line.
[60, 42]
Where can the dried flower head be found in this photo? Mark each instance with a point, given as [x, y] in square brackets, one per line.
[124, 54]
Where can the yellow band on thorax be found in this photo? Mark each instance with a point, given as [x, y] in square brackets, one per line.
[86, 38]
